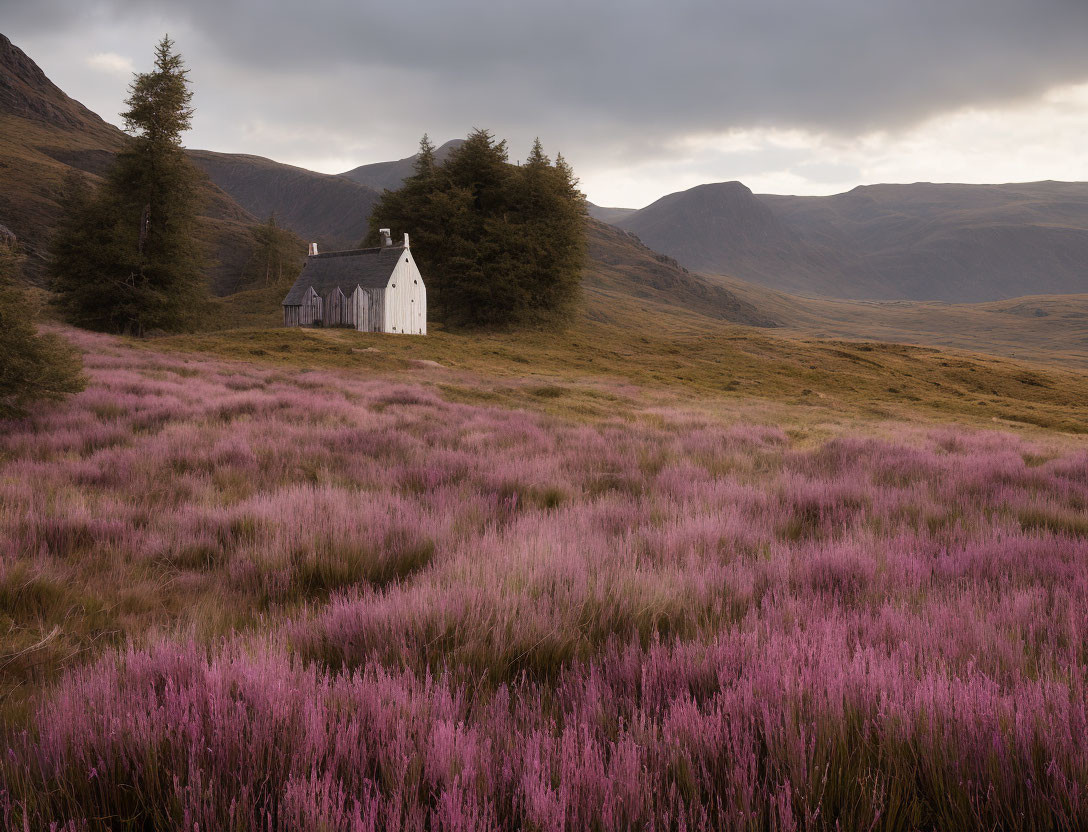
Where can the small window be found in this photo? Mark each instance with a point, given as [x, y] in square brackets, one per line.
[415, 281]
[394, 285]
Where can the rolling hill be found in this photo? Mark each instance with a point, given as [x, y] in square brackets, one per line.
[329, 210]
[953, 243]
[624, 277]
[725, 224]
[389, 175]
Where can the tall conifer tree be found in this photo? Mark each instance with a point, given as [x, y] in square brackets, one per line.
[134, 241]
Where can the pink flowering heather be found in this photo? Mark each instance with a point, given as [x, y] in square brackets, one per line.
[372, 608]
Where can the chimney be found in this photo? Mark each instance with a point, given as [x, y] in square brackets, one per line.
[313, 249]
[406, 239]
[387, 240]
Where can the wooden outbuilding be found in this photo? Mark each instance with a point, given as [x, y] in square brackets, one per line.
[370, 289]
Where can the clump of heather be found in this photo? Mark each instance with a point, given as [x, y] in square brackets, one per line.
[249, 598]
[769, 728]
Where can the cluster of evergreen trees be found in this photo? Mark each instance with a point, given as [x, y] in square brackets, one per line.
[125, 258]
[498, 244]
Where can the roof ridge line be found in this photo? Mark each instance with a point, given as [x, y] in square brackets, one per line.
[349, 251]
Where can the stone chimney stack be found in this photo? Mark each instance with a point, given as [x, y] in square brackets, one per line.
[387, 239]
[406, 239]
[313, 249]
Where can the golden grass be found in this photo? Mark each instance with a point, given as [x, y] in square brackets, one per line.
[1043, 328]
[686, 357]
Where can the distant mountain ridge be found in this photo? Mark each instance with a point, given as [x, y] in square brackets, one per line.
[391, 175]
[954, 243]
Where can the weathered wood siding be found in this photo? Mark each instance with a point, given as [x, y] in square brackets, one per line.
[399, 306]
[310, 311]
[347, 310]
[360, 308]
[367, 305]
[333, 305]
[405, 299]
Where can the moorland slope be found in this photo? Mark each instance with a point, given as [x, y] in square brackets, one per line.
[329, 210]
[1044, 328]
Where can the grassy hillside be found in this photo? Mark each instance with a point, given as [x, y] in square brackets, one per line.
[41, 128]
[692, 357]
[329, 210]
[1043, 328]
[625, 279]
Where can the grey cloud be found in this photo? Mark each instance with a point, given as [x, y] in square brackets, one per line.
[606, 79]
[830, 64]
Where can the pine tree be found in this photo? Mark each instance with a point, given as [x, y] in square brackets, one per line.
[134, 240]
[408, 205]
[559, 222]
[477, 285]
[33, 366]
[499, 245]
[424, 164]
[480, 165]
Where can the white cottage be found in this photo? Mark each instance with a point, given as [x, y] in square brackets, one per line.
[371, 289]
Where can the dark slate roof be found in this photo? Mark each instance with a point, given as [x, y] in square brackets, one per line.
[366, 267]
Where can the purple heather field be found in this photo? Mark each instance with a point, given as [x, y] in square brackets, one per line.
[341, 602]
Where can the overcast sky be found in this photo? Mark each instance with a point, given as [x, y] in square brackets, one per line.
[644, 98]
